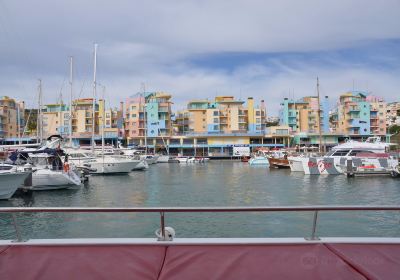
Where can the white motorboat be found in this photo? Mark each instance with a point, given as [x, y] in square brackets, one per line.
[112, 164]
[10, 180]
[151, 159]
[163, 159]
[134, 153]
[142, 165]
[333, 162]
[259, 158]
[106, 164]
[182, 159]
[201, 159]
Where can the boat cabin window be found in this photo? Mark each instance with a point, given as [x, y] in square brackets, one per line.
[330, 153]
[353, 153]
[340, 153]
[5, 167]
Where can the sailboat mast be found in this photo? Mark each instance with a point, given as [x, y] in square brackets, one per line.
[71, 61]
[40, 118]
[19, 123]
[103, 114]
[94, 95]
[319, 118]
[145, 119]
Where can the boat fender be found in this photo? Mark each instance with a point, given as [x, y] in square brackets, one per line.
[66, 166]
[169, 234]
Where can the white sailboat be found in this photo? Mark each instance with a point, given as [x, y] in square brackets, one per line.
[104, 164]
[51, 173]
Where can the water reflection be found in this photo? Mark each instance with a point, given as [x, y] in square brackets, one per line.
[213, 184]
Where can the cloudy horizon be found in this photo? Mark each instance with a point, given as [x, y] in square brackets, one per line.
[200, 49]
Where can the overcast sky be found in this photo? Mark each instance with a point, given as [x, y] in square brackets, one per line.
[200, 49]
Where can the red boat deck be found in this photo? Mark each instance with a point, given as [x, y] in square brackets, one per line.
[225, 261]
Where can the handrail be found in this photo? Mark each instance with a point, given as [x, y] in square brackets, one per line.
[163, 210]
[205, 209]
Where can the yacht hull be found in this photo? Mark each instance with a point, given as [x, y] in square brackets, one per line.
[142, 165]
[259, 161]
[295, 164]
[10, 182]
[163, 159]
[337, 165]
[110, 167]
[46, 179]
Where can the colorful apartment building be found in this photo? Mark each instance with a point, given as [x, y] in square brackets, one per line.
[302, 115]
[56, 120]
[393, 114]
[11, 118]
[225, 115]
[359, 114]
[148, 117]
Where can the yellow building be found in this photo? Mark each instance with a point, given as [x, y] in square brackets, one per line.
[225, 115]
[56, 120]
[10, 110]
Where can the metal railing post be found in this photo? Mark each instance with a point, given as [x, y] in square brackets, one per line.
[16, 228]
[162, 224]
[314, 227]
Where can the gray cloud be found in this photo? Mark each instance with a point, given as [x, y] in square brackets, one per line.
[152, 41]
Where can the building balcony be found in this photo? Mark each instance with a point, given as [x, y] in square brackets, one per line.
[353, 109]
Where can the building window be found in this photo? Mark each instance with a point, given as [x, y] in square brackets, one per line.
[133, 115]
[215, 120]
[215, 113]
[216, 127]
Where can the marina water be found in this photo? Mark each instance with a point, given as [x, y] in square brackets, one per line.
[217, 183]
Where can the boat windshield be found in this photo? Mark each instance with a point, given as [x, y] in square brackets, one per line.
[340, 153]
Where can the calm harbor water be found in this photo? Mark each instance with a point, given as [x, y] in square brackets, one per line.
[217, 183]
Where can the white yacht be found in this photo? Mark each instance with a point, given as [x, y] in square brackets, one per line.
[107, 164]
[10, 180]
[372, 152]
